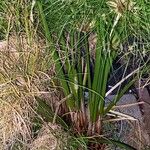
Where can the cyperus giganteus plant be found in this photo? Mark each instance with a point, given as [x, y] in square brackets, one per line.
[67, 26]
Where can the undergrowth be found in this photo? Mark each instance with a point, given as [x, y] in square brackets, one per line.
[56, 58]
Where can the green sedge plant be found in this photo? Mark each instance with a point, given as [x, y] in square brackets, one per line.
[67, 26]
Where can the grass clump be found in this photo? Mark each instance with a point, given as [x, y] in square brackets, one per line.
[68, 32]
[18, 90]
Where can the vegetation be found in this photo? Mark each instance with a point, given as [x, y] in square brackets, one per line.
[56, 64]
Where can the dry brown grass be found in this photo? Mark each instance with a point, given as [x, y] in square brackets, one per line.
[15, 118]
[46, 140]
[25, 72]
[20, 62]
